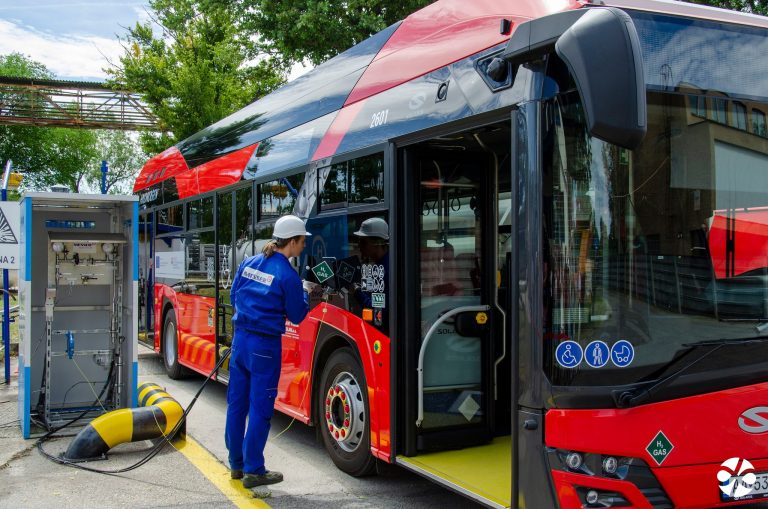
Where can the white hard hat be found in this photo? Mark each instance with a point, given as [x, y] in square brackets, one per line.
[374, 227]
[288, 227]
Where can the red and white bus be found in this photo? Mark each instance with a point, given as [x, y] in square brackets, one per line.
[574, 305]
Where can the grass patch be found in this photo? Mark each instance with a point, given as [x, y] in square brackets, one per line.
[13, 327]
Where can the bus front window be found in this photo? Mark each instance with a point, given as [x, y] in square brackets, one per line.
[650, 251]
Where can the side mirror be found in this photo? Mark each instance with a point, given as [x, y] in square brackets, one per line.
[601, 48]
[602, 51]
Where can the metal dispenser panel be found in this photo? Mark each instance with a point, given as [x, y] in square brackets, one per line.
[78, 293]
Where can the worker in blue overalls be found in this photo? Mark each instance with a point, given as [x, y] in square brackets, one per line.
[265, 291]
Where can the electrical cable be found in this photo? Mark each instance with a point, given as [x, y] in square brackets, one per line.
[90, 384]
[166, 438]
[306, 390]
[326, 297]
[154, 451]
[66, 394]
[51, 432]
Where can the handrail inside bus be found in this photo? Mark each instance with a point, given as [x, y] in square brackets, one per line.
[422, 351]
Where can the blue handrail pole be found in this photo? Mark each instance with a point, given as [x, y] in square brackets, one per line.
[6, 296]
[104, 170]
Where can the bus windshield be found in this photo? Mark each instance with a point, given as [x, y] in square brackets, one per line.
[649, 251]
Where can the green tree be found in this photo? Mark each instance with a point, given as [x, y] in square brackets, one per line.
[70, 154]
[124, 159]
[26, 146]
[46, 155]
[198, 67]
[315, 30]
[16, 64]
[753, 6]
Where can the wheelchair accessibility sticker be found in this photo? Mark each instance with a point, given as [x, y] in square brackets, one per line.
[569, 354]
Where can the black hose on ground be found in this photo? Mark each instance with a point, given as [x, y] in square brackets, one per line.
[154, 451]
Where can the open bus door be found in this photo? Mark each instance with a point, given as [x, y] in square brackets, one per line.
[457, 399]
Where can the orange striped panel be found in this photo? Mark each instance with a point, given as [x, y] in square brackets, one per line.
[198, 352]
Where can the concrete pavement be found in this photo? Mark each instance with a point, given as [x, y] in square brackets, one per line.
[171, 479]
[195, 474]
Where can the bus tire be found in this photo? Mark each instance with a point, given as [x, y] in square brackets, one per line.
[170, 348]
[343, 409]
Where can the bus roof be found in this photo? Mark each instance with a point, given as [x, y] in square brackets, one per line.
[431, 38]
[437, 35]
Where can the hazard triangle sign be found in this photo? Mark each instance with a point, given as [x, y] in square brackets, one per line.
[9, 235]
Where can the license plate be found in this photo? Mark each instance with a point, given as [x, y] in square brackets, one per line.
[738, 491]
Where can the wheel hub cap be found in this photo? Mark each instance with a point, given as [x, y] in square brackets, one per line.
[345, 412]
[170, 352]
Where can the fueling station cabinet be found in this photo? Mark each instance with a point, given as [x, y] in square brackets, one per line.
[78, 305]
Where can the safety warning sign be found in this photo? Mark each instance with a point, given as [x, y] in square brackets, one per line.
[9, 235]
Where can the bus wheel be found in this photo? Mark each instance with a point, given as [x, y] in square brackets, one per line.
[343, 407]
[171, 348]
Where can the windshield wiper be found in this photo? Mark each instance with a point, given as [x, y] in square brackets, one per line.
[637, 396]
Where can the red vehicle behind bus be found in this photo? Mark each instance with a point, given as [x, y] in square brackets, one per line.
[573, 304]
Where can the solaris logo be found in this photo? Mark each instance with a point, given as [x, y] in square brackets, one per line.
[734, 468]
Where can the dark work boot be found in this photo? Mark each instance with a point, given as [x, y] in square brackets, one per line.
[254, 480]
[236, 473]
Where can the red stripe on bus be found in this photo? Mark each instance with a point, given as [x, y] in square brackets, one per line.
[336, 132]
[186, 184]
[441, 34]
[161, 167]
[225, 170]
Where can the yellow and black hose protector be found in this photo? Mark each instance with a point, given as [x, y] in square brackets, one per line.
[157, 415]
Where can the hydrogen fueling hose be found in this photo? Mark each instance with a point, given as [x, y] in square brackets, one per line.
[154, 451]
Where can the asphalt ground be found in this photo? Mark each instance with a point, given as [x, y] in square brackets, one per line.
[193, 473]
[181, 475]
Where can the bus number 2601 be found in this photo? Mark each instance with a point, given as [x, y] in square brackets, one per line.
[379, 118]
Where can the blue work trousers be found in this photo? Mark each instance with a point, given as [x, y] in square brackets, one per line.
[254, 370]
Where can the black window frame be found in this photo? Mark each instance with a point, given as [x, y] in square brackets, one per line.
[343, 207]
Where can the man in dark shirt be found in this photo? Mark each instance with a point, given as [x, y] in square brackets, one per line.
[373, 240]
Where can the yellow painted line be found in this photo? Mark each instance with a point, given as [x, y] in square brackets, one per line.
[218, 474]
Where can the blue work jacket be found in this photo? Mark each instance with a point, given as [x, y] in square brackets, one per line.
[264, 292]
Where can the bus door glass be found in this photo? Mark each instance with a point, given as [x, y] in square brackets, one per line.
[234, 234]
[146, 278]
[456, 242]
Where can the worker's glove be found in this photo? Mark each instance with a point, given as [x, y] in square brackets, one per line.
[313, 289]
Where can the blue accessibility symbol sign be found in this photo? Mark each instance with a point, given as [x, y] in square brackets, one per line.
[596, 354]
[569, 354]
[622, 353]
